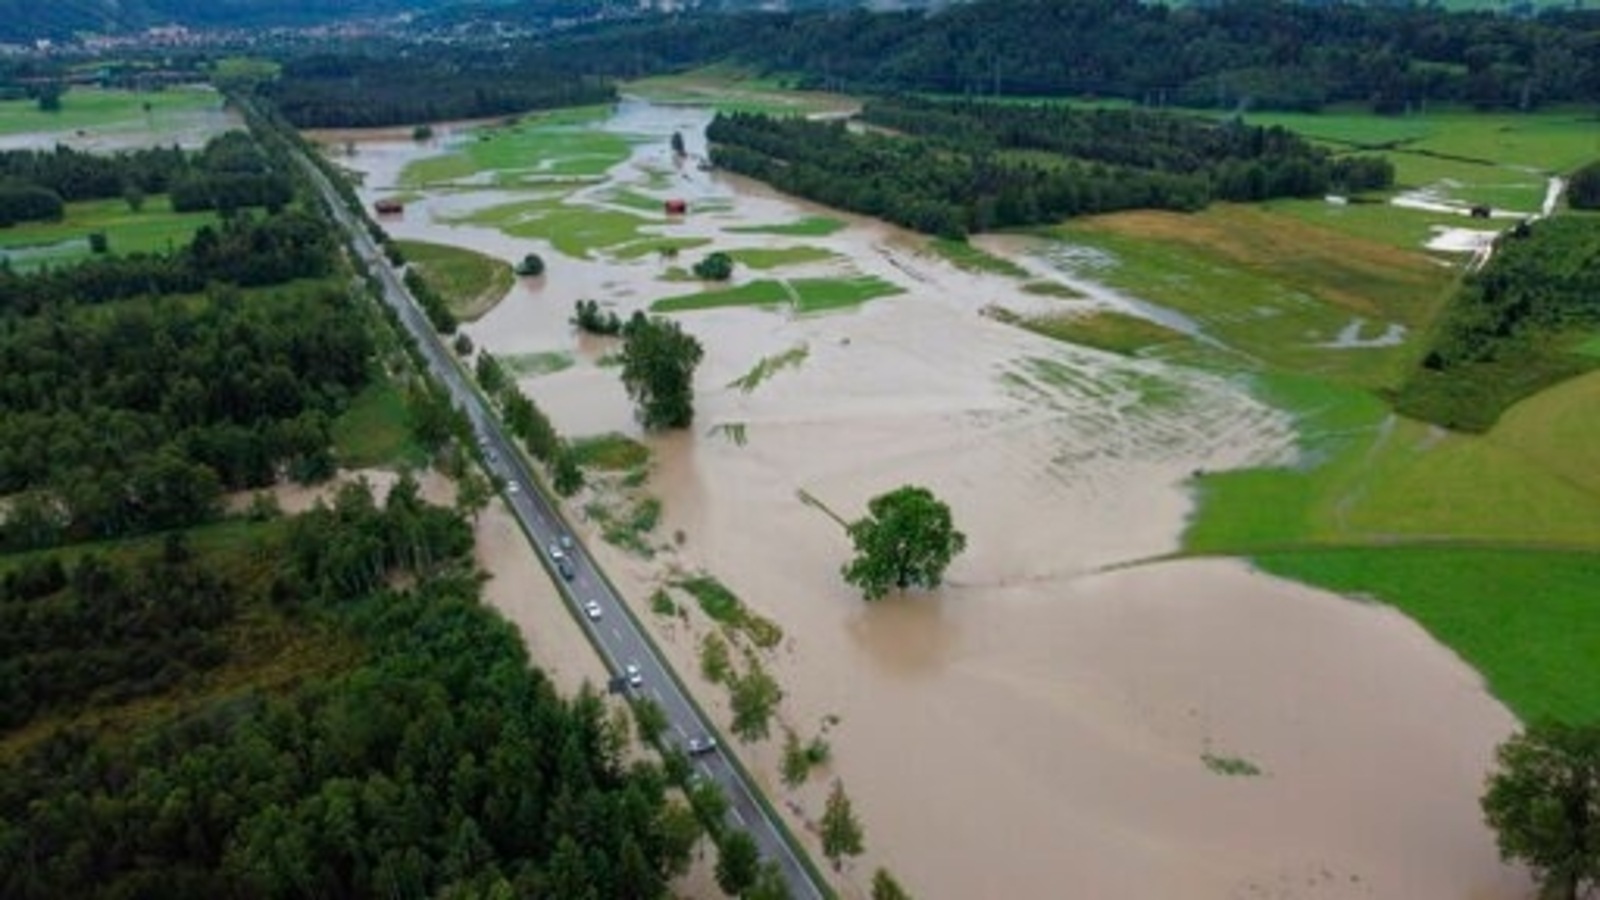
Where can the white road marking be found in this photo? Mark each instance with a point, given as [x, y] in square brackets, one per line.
[736, 816]
[615, 633]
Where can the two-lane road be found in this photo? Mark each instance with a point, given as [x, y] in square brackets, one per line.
[615, 630]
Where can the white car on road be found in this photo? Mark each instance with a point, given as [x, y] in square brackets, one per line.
[635, 677]
[592, 610]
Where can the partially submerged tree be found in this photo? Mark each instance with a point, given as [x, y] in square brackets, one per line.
[841, 832]
[658, 363]
[907, 539]
[1544, 805]
[532, 265]
[716, 266]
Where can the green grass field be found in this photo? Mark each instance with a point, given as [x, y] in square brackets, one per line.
[804, 295]
[1104, 330]
[376, 430]
[470, 282]
[964, 256]
[811, 226]
[1528, 621]
[575, 231]
[538, 149]
[524, 365]
[154, 229]
[610, 452]
[97, 111]
[664, 246]
[773, 257]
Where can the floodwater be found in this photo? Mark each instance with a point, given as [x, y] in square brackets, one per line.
[1041, 726]
[189, 129]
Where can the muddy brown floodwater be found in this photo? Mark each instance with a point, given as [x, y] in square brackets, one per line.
[1040, 727]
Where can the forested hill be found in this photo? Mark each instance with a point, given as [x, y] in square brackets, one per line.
[1259, 53]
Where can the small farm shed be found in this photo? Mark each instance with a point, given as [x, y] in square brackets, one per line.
[389, 207]
[676, 207]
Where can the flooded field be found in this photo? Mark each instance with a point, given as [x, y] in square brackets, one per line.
[1044, 726]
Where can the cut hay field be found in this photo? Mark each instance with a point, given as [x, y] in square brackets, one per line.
[154, 229]
[470, 282]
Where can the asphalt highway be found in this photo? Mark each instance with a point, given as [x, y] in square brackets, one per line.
[612, 625]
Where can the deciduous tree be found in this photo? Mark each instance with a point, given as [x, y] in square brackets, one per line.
[907, 539]
[1543, 802]
[658, 363]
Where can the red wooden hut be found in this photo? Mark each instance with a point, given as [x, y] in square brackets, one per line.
[676, 207]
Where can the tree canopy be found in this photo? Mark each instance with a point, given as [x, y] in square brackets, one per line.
[1543, 802]
[906, 539]
[658, 364]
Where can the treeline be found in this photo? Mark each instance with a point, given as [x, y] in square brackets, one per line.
[1232, 55]
[231, 172]
[960, 167]
[242, 250]
[1512, 327]
[432, 83]
[423, 759]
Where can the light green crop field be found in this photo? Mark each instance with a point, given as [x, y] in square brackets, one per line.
[470, 282]
[154, 229]
[1278, 290]
[1528, 620]
[540, 148]
[810, 226]
[95, 110]
[773, 257]
[1104, 330]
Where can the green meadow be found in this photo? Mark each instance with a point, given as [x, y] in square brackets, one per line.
[773, 257]
[154, 229]
[470, 282]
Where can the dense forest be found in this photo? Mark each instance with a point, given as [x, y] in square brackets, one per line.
[1512, 327]
[422, 759]
[231, 172]
[953, 167]
[1255, 53]
[429, 85]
